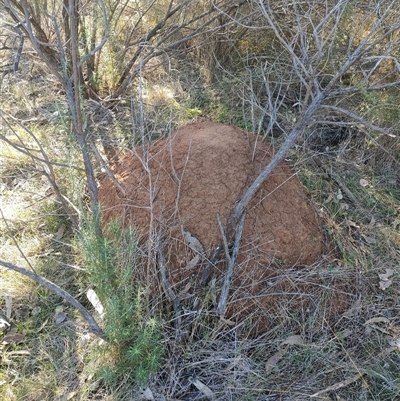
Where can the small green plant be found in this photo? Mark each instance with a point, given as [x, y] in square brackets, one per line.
[133, 337]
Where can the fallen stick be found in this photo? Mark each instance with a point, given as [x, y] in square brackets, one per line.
[93, 326]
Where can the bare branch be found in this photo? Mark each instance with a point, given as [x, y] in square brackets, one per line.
[93, 326]
[231, 259]
[166, 284]
[255, 186]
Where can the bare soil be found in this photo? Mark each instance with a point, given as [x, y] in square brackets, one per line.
[197, 173]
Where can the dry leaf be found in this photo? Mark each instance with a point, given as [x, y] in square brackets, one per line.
[59, 309]
[351, 223]
[383, 285]
[193, 242]
[95, 301]
[193, 263]
[364, 183]
[148, 394]
[15, 338]
[60, 317]
[339, 385]
[389, 273]
[294, 340]
[203, 388]
[370, 240]
[59, 234]
[274, 360]
[70, 395]
[385, 282]
[374, 320]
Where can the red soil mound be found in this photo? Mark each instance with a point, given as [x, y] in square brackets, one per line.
[198, 172]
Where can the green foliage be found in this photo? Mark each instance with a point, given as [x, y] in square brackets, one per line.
[133, 336]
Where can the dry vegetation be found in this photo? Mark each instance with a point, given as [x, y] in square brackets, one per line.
[320, 78]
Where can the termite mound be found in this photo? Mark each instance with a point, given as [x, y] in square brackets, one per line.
[184, 181]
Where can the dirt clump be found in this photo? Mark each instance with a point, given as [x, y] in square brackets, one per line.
[181, 183]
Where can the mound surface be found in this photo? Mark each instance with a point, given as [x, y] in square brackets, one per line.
[200, 171]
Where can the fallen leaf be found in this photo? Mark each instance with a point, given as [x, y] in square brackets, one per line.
[193, 242]
[379, 319]
[273, 361]
[69, 396]
[351, 223]
[294, 340]
[383, 285]
[370, 240]
[95, 301]
[60, 317]
[59, 309]
[203, 388]
[389, 273]
[364, 183]
[15, 338]
[59, 234]
[193, 263]
[148, 394]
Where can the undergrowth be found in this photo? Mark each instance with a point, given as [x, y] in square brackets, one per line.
[133, 336]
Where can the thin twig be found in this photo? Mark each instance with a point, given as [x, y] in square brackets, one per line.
[231, 259]
[107, 169]
[167, 286]
[15, 241]
[212, 261]
[17, 57]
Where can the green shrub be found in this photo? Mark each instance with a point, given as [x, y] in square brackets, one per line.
[133, 336]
